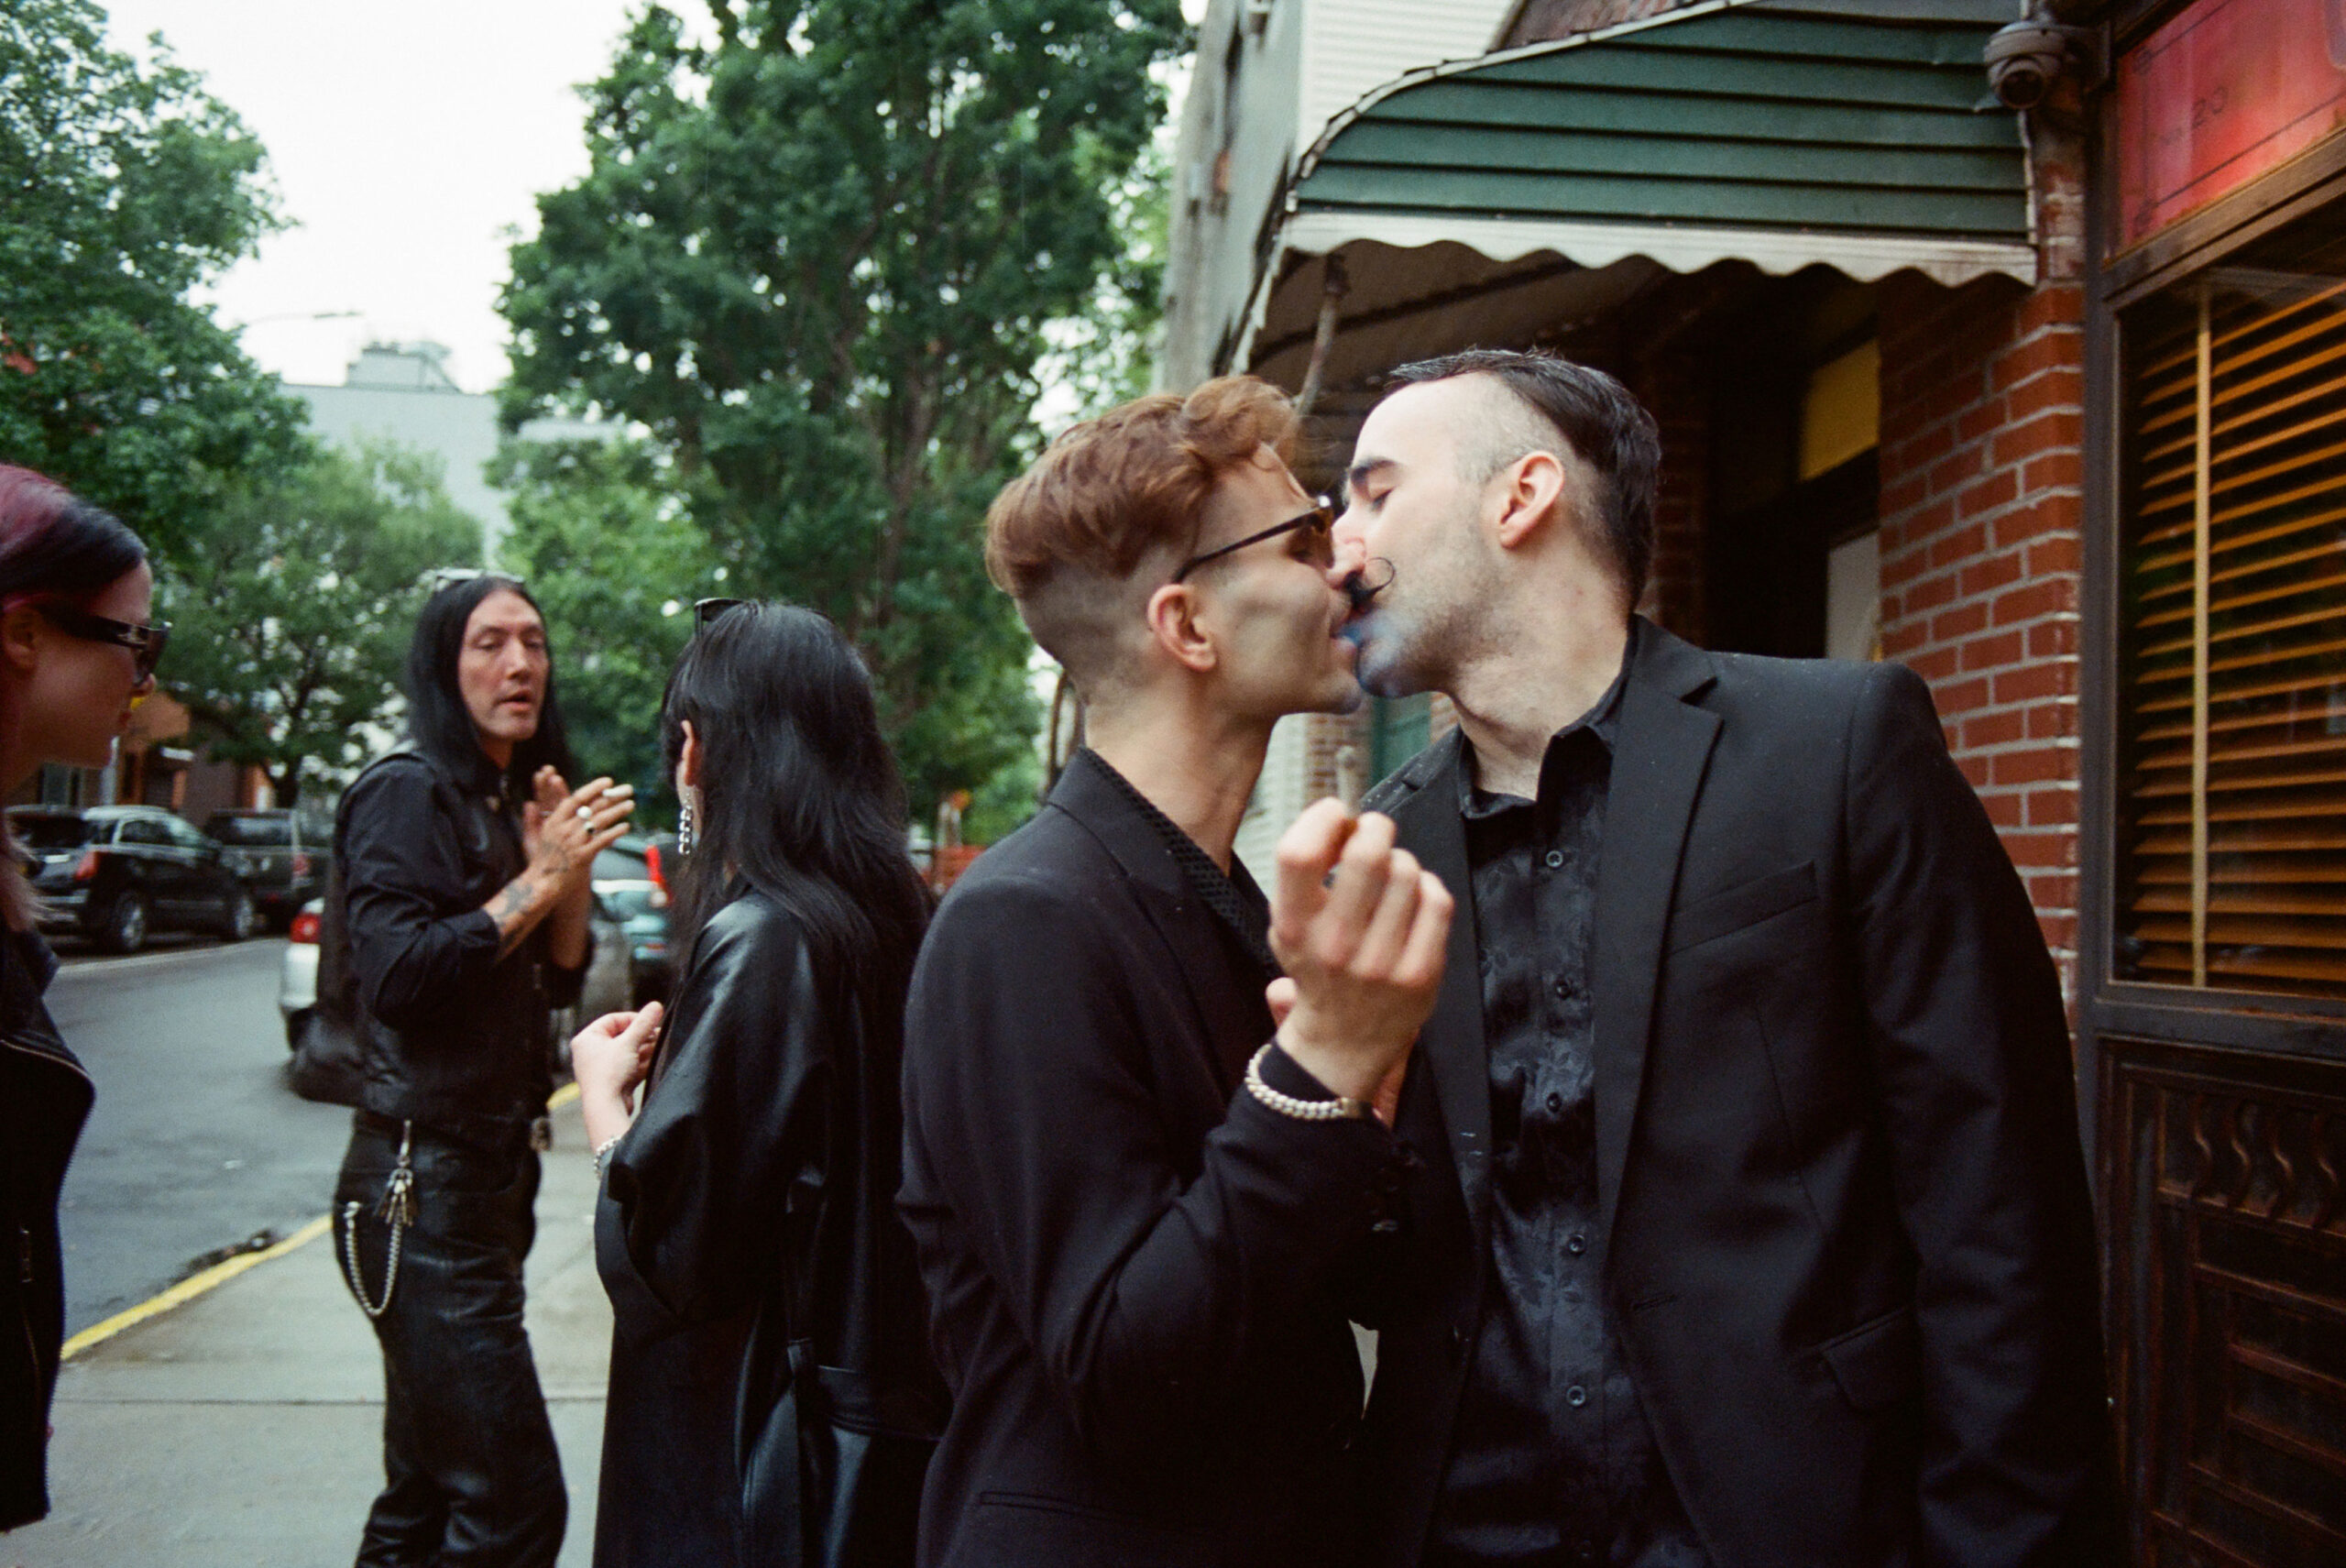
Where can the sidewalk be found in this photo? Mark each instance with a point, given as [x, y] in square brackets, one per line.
[244, 1430]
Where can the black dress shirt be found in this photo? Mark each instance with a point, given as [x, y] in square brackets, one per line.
[1555, 1463]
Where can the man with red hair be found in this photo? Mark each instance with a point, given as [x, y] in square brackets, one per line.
[1133, 1187]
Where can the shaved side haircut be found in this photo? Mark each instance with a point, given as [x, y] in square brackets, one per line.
[1068, 539]
[1542, 397]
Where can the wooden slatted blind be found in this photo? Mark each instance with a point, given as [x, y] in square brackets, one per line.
[2231, 846]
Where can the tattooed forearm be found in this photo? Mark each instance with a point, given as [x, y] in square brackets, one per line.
[518, 906]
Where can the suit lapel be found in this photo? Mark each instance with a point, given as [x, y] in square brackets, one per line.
[1660, 751]
[1453, 1041]
[1189, 930]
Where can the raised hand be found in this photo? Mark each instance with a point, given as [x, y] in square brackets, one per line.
[565, 832]
[1362, 930]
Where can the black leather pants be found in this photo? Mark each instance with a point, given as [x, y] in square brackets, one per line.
[472, 1479]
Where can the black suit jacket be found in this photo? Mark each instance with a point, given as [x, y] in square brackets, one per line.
[1845, 1217]
[1129, 1260]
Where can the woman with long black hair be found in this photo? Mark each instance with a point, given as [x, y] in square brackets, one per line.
[772, 1401]
[76, 653]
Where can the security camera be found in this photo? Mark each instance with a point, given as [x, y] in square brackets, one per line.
[2025, 58]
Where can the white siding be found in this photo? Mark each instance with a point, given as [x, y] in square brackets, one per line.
[1352, 47]
[1312, 60]
[1278, 798]
[1252, 116]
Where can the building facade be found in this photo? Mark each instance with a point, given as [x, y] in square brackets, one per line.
[2050, 406]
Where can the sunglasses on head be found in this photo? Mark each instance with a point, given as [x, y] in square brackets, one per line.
[706, 610]
[449, 577]
[1319, 523]
[145, 643]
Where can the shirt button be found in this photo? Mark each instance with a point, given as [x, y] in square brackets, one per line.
[1576, 1244]
[1564, 989]
[1575, 1396]
[1555, 858]
[1555, 1104]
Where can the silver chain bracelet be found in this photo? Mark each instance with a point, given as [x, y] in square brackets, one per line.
[1335, 1108]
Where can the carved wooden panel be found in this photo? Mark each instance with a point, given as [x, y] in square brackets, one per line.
[2225, 1179]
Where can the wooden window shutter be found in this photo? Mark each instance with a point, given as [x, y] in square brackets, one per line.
[2231, 808]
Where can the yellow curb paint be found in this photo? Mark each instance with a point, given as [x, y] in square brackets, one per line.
[219, 1274]
[187, 1289]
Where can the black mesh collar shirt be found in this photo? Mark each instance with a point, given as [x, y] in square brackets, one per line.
[1554, 1462]
[1244, 912]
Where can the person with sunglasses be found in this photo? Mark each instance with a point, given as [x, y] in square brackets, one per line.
[1140, 1156]
[771, 1398]
[455, 921]
[76, 654]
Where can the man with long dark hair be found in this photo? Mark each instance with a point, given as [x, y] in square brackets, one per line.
[463, 862]
[1135, 1190]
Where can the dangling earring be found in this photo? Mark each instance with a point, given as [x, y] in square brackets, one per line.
[684, 827]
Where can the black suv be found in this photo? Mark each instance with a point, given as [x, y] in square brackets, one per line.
[281, 855]
[118, 873]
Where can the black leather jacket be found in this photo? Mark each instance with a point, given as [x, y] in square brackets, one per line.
[44, 1098]
[759, 1179]
[454, 1038]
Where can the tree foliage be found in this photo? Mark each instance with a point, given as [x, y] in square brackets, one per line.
[602, 531]
[292, 612]
[122, 189]
[818, 258]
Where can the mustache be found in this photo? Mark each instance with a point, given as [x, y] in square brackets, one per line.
[1375, 576]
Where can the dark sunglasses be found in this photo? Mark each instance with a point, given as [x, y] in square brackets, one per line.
[706, 610]
[1319, 523]
[145, 643]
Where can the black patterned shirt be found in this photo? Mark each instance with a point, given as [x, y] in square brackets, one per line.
[1555, 1463]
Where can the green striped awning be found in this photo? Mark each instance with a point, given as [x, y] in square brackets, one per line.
[1783, 134]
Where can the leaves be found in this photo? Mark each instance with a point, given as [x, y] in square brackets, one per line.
[820, 260]
[603, 533]
[123, 188]
[292, 612]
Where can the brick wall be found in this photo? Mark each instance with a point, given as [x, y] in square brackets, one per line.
[1673, 391]
[1982, 419]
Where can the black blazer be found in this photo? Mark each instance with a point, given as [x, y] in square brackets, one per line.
[1846, 1222]
[1129, 1259]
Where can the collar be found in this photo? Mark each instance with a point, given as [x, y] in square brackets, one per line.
[1603, 721]
[1233, 896]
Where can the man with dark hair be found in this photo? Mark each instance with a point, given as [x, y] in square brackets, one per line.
[1752, 1228]
[456, 920]
[1131, 1185]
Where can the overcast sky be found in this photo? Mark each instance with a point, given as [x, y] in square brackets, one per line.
[407, 138]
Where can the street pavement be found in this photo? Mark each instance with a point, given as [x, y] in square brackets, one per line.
[195, 1144]
[243, 1429]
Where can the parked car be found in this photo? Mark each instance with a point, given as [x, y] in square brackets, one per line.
[281, 854]
[117, 874]
[628, 879]
[609, 986]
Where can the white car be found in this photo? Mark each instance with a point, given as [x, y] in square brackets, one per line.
[297, 981]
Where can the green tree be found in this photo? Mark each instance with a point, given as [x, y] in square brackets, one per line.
[292, 611]
[602, 531]
[122, 189]
[819, 258]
